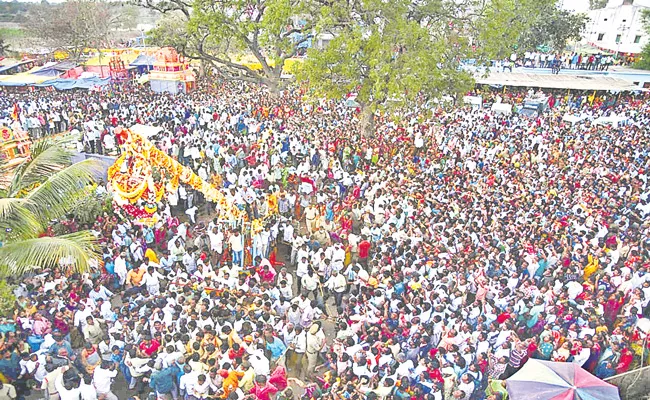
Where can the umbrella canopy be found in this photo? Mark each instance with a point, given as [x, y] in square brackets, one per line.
[545, 380]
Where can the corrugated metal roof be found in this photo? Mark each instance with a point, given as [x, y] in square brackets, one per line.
[575, 82]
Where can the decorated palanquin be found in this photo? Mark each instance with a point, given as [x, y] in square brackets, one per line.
[142, 175]
[171, 72]
[14, 143]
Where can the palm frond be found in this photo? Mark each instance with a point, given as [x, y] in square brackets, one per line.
[76, 251]
[60, 192]
[47, 157]
[16, 220]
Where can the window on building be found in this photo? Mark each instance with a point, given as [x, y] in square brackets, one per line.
[601, 36]
[624, 20]
[605, 19]
[637, 38]
[618, 38]
[628, 2]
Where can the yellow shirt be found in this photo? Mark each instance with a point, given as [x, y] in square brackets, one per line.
[31, 310]
[135, 277]
[151, 255]
[246, 382]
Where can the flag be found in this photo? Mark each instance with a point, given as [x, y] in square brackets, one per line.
[15, 113]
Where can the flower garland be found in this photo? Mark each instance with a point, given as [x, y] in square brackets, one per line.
[135, 211]
[146, 173]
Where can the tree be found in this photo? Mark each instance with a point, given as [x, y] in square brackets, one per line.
[44, 188]
[7, 299]
[597, 4]
[221, 32]
[390, 52]
[555, 30]
[644, 58]
[75, 25]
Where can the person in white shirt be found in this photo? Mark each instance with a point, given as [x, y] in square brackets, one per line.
[187, 381]
[33, 365]
[191, 212]
[151, 279]
[216, 243]
[65, 390]
[466, 385]
[201, 388]
[337, 284]
[86, 389]
[103, 379]
[100, 291]
[298, 345]
[301, 270]
[120, 268]
[80, 316]
[287, 234]
[286, 293]
[236, 242]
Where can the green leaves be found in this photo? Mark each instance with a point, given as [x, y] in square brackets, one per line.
[46, 157]
[386, 52]
[16, 219]
[76, 251]
[554, 30]
[57, 195]
[379, 49]
[644, 60]
[44, 188]
[222, 33]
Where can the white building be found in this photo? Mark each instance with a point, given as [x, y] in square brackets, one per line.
[618, 27]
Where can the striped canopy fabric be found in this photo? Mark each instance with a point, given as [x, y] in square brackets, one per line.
[546, 380]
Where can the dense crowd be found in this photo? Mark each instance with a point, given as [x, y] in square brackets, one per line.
[429, 260]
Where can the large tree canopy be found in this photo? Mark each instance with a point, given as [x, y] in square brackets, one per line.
[390, 52]
[555, 30]
[387, 52]
[220, 32]
[644, 60]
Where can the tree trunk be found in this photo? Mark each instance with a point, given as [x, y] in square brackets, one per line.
[367, 122]
[202, 68]
[274, 87]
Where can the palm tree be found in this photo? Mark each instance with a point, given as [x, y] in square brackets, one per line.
[45, 187]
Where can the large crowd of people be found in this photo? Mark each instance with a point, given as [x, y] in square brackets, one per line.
[429, 260]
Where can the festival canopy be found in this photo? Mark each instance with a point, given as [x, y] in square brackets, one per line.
[55, 70]
[546, 380]
[7, 67]
[22, 79]
[573, 82]
[143, 60]
[48, 72]
[83, 83]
